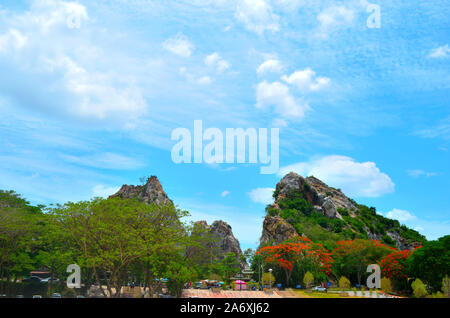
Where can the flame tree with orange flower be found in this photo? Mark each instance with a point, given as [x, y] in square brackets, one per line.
[297, 254]
[352, 257]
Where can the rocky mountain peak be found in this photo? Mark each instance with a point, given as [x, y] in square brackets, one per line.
[322, 197]
[226, 242]
[330, 202]
[151, 192]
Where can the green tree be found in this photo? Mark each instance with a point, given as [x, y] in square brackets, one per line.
[268, 279]
[344, 283]
[116, 235]
[308, 279]
[228, 267]
[431, 262]
[19, 236]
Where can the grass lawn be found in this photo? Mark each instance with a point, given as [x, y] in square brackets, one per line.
[321, 295]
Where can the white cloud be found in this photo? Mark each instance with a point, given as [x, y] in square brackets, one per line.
[179, 45]
[442, 130]
[215, 61]
[104, 192]
[337, 15]
[262, 195]
[278, 95]
[105, 161]
[257, 16]
[356, 179]
[204, 80]
[418, 173]
[41, 45]
[440, 52]
[271, 65]
[225, 193]
[400, 215]
[306, 80]
[13, 40]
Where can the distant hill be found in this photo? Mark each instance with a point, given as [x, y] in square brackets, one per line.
[309, 207]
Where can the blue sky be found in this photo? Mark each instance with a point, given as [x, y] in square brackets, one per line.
[90, 92]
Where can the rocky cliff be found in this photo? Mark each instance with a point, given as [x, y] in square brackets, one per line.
[224, 240]
[150, 192]
[346, 218]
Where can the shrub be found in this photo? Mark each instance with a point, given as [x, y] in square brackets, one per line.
[308, 279]
[344, 283]
[386, 285]
[419, 289]
[268, 279]
[446, 286]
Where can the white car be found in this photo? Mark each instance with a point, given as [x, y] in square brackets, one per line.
[319, 288]
[49, 279]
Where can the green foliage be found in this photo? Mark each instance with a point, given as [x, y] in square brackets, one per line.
[344, 283]
[295, 201]
[431, 262]
[388, 241]
[419, 289]
[386, 285]
[228, 267]
[343, 212]
[268, 279]
[308, 279]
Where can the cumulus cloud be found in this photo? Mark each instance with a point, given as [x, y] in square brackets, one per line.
[400, 215]
[257, 16]
[278, 96]
[270, 65]
[440, 52]
[179, 45]
[262, 195]
[218, 63]
[104, 192]
[42, 45]
[356, 179]
[306, 80]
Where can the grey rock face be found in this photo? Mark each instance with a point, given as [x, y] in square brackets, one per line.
[329, 209]
[339, 199]
[276, 230]
[151, 192]
[226, 242]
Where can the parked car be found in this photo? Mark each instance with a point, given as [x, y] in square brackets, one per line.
[20, 296]
[56, 295]
[319, 288]
[37, 296]
[49, 279]
[32, 279]
[80, 296]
